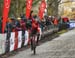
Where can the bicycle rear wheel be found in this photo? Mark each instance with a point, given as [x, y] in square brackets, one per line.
[34, 46]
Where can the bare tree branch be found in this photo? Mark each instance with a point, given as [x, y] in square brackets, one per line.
[59, 1]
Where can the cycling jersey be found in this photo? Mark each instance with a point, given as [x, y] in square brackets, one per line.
[35, 26]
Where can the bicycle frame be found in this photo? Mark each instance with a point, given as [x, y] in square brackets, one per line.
[33, 43]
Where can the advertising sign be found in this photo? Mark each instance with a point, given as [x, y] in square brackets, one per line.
[12, 41]
[6, 7]
[2, 43]
[19, 39]
[26, 37]
[16, 40]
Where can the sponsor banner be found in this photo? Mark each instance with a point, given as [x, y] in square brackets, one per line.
[29, 31]
[26, 37]
[28, 7]
[23, 38]
[19, 39]
[40, 33]
[36, 38]
[42, 9]
[72, 25]
[7, 44]
[12, 41]
[16, 40]
[2, 43]
[6, 7]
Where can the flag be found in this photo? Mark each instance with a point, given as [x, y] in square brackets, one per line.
[5, 13]
[28, 7]
[42, 9]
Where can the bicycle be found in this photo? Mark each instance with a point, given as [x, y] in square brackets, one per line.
[33, 43]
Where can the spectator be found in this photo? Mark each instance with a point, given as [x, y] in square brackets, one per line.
[55, 21]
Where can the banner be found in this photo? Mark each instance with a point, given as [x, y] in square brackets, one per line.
[42, 9]
[7, 44]
[5, 13]
[72, 24]
[45, 13]
[19, 39]
[23, 38]
[12, 41]
[40, 33]
[28, 7]
[26, 37]
[16, 40]
[2, 43]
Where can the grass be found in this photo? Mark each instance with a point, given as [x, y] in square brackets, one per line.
[62, 31]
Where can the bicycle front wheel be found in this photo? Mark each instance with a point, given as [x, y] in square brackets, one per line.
[34, 50]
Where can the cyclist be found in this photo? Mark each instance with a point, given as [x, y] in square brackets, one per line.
[34, 31]
[34, 34]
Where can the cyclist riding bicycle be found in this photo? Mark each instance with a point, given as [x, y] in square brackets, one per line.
[34, 34]
[34, 30]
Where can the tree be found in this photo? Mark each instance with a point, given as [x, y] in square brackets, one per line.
[53, 7]
[1, 7]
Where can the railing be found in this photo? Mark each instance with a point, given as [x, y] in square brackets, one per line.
[17, 40]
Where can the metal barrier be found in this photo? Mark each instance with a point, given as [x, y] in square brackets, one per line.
[17, 39]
